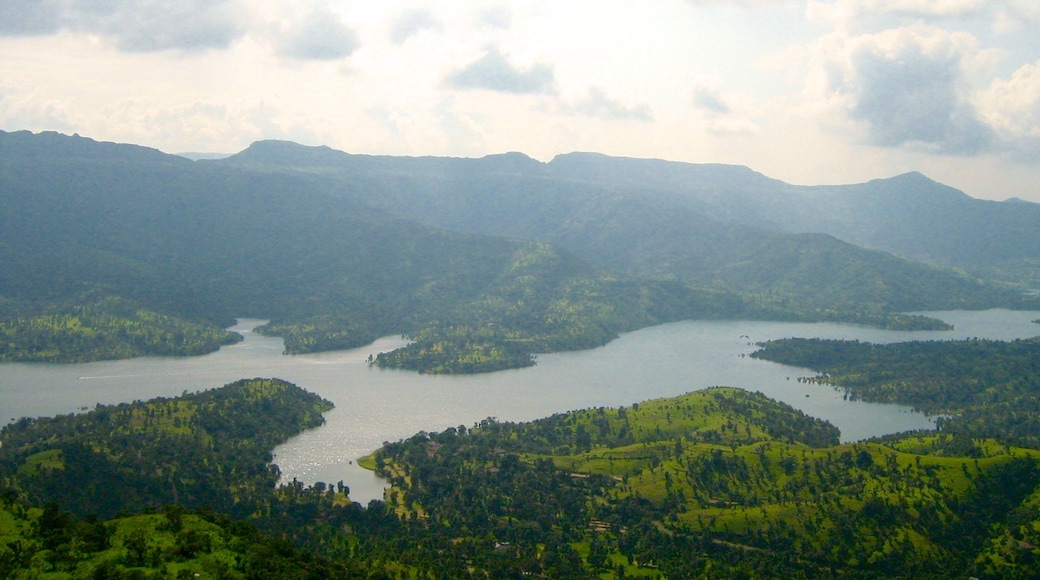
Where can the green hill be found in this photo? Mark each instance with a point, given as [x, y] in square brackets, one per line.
[647, 218]
[49, 543]
[202, 449]
[717, 484]
[907, 215]
[115, 250]
[981, 388]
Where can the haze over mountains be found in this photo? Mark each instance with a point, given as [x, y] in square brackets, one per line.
[695, 222]
[492, 259]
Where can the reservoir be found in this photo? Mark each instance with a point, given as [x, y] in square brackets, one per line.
[376, 405]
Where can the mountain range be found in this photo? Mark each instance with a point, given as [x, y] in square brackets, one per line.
[724, 210]
[483, 262]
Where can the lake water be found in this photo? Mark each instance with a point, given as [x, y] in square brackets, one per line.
[375, 405]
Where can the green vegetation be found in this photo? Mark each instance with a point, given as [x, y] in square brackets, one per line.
[117, 251]
[113, 251]
[202, 449]
[983, 388]
[175, 543]
[718, 484]
[714, 226]
[108, 329]
[116, 235]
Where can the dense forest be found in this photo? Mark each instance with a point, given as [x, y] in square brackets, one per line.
[114, 251]
[720, 483]
[709, 224]
[980, 388]
[109, 328]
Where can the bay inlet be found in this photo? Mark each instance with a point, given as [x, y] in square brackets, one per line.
[376, 405]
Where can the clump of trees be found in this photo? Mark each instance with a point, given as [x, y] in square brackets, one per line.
[981, 388]
[108, 328]
[203, 449]
[718, 483]
[698, 487]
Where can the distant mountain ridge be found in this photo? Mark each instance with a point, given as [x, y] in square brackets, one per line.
[724, 226]
[97, 239]
[482, 261]
[907, 215]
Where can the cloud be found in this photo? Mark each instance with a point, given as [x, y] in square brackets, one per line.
[710, 100]
[721, 115]
[1017, 15]
[598, 105]
[1002, 15]
[30, 17]
[862, 13]
[412, 23]
[1012, 108]
[916, 8]
[496, 17]
[494, 72]
[132, 25]
[320, 35]
[907, 86]
[742, 3]
[36, 110]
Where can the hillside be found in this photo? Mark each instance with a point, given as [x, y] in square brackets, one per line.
[144, 490]
[648, 218]
[715, 484]
[200, 449]
[908, 215]
[176, 543]
[719, 483]
[979, 388]
[116, 250]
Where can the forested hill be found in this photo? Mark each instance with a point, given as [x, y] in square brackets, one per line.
[714, 484]
[720, 483]
[908, 215]
[116, 250]
[201, 449]
[713, 225]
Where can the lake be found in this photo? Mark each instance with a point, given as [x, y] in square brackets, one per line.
[376, 405]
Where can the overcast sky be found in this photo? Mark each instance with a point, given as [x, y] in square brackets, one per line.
[808, 91]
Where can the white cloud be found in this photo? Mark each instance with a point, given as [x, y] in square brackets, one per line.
[1017, 15]
[494, 72]
[437, 125]
[850, 11]
[1012, 108]
[597, 104]
[36, 110]
[906, 86]
[409, 24]
[1000, 15]
[742, 3]
[320, 35]
[723, 114]
[496, 17]
[708, 98]
[133, 25]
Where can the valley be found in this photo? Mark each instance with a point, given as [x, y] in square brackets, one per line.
[558, 368]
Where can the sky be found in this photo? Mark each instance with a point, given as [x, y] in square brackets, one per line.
[807, 91]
